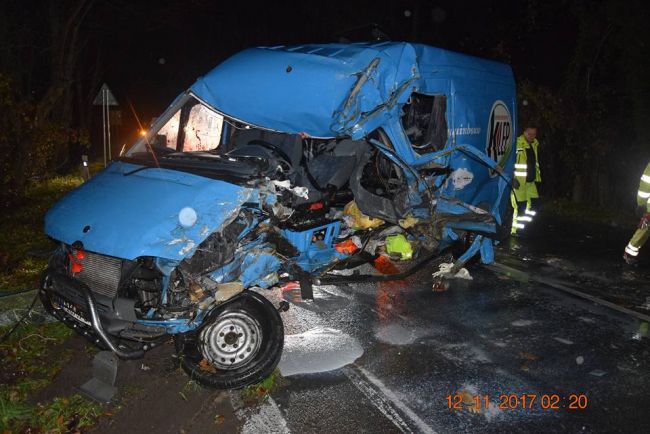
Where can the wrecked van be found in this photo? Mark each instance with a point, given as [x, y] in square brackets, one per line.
[281, 164]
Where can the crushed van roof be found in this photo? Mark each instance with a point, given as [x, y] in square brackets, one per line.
[330, 90]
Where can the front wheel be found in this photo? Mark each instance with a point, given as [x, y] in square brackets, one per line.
[239, 343]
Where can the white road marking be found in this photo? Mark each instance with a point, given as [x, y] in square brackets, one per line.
[564, 341]
[265, 418]
[385, 400]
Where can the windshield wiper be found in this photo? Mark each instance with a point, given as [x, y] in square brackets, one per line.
[210, 156]
[199, 155]
[143, 159]
[131, 172]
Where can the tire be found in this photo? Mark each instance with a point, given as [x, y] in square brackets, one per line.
[249, 360]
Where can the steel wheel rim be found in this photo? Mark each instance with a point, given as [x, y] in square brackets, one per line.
[232, 340]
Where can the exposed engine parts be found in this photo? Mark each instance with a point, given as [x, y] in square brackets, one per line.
[261, 174]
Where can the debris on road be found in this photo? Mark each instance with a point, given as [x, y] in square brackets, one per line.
[522, 323]
[469, 402]
[528, 356]
[445, 271]
[398, 245]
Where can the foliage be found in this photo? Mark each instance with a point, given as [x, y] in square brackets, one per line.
[189, 387]
[27, 358]
[32, 148]
[31, 357]
[260, 391]
[24, 246]
[33, 354]
[65, 414]
[593, 145]
[61, 415]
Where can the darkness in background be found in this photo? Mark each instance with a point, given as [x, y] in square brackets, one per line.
[582, 66]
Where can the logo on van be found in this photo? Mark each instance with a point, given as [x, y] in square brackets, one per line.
[499, 138]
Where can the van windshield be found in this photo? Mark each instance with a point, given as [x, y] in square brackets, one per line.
[192, 127]
[191, 136]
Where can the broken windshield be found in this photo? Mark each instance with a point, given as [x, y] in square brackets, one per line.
[189, 126]
[192, 136]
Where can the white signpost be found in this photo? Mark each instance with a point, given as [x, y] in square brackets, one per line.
[106, 99]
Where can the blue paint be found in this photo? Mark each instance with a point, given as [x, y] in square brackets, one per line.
[481, 245]
[315, 254]
[308, 88]
[336, 90]
[474, 248]
[328, 91]
[316, 259]
[137, 215]
[252, 265]
[257, 266]
[173, 326]
[304, 240]
[487, 251]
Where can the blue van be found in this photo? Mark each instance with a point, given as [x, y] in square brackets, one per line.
[281, 164]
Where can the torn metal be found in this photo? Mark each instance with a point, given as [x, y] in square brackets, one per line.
[284, 161]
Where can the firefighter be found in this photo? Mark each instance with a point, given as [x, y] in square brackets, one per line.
[643, 232]
[525, 196]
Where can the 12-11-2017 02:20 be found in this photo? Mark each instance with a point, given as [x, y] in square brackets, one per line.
[573, 401]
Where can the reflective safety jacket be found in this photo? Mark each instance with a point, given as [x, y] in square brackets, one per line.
[643, 196]
[527, 169]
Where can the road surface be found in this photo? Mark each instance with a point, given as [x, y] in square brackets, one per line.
[394, 357]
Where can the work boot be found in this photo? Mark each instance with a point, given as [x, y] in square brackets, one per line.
[630, 260]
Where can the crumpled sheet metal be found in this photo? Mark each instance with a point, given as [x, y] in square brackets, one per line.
[306, 88]
[329, 90]
[337, 90]
[254, 265]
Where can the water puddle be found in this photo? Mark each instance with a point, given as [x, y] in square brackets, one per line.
[318, 350]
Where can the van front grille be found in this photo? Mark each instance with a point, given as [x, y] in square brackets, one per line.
[101, 273]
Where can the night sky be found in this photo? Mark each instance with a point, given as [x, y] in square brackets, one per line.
[582, 64]
[154, 52]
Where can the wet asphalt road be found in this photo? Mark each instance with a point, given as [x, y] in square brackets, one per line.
[491, 336]
[384, 357]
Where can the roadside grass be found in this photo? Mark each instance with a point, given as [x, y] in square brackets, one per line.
[260, 391]
[24, 247]
[31, 357]
[66, 414]
[34, 354]
[189, 387]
